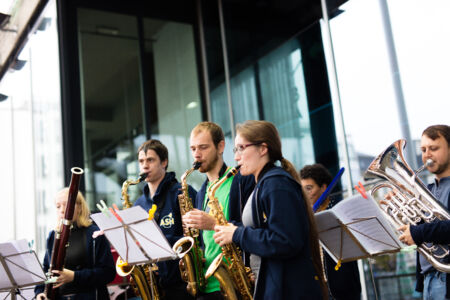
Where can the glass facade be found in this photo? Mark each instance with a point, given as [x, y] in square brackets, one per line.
[149, 79]
[32, 154]
[154, 70]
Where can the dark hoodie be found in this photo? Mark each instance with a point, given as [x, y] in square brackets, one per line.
[281, 238]
[95, 275]
[169, 221]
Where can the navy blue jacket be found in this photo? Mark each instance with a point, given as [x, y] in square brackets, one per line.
[101, 269]
[437, 232]
[169, 221]
[281, 238]
[240, 190]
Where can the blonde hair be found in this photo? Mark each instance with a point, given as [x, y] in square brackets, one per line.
[259, 132]
[82, 218]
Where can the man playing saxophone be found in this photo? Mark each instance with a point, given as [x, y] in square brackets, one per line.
[162, 189]
[207, 144]
[435, 145]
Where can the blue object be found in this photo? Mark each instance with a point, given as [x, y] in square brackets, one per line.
[328, 190]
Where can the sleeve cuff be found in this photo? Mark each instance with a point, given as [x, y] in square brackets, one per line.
[237, 235]
[416, 234]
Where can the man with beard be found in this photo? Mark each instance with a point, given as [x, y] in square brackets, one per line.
[207, 144]
[435, 145]
[162, 189]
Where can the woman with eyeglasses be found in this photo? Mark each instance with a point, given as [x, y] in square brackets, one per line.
[88, 265]
[278, 226]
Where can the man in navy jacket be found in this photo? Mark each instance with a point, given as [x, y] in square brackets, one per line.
[207, 144]
[435, 145]
[162, 189]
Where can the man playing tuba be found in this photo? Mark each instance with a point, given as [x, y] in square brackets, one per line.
[434, 145]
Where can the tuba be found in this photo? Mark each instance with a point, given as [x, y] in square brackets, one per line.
[411, 203]
[228, 267]
[191, 265]
[144, 279]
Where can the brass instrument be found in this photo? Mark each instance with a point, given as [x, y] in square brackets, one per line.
[411, 203]
[191, 265]
[144, 279]
[228, 267]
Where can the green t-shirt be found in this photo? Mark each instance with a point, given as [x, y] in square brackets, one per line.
[211, 248]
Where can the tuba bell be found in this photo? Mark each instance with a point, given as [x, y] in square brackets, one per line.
[412, 203]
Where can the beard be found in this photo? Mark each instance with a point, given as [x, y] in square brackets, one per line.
[441, 168]
[209, 165]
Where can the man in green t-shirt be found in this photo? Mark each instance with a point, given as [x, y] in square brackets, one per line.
[207, 144]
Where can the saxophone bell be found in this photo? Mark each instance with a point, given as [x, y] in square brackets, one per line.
[183, 246]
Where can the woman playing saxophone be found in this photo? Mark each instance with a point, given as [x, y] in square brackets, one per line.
[278, 230]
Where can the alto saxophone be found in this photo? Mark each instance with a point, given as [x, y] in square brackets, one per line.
[191, 265]
[228, 267]
[143, 277]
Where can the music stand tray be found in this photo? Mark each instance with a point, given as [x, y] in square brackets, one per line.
[20, 270]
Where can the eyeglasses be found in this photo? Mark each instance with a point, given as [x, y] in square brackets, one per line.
[239, 149]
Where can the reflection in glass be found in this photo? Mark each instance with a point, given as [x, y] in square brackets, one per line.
[272, 89]
[111, 102]
[135, 83]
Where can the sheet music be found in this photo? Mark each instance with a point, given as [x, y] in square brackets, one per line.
[356, 207]
[366, 223]
[330, 232]
[147, 233]
[25, 268]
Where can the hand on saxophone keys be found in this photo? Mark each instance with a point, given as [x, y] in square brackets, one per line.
[199, 220]
[406, 236]
[224, 234]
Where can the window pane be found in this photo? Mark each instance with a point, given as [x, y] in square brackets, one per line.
[111, 102]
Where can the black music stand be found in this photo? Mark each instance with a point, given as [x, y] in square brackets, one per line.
[20, 270]
[136, 239]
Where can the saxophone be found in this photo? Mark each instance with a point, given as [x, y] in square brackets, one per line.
[228, 268]
[191, 265]
[143, 277]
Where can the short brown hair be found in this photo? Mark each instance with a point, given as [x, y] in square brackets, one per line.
[435, 131]
[215, 130]
[316, 172]
[156, 146]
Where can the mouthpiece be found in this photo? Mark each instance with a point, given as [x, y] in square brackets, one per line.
[142, 176]
[233, 171]
[196, 165]
[426, 164]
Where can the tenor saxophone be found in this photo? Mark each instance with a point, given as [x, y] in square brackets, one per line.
[143, 277]
[228, 268]
[191, 265]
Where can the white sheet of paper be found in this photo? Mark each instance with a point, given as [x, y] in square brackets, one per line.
[146, 232]
[330, 236]
[25, 268]
[367, 223]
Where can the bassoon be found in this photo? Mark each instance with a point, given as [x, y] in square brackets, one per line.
[62, 232]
